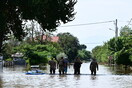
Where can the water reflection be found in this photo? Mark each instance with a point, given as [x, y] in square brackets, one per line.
[93, 77]
[1, 82]
[77, 77]
[119, 70]
[105, 78]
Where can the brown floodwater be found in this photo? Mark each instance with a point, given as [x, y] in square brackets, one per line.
[106, 78]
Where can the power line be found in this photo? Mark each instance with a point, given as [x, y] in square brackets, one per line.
[92, 43]
[129, 22]
[87, 24]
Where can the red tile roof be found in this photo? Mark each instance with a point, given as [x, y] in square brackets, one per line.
[51, 38]
[55, 39]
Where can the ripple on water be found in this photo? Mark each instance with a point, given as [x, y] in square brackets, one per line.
[103, 79]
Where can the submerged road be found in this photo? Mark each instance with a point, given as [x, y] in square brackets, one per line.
[105, 78]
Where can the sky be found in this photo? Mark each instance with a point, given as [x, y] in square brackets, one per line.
[94, 11]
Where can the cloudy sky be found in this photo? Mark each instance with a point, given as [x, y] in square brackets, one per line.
[94, 11]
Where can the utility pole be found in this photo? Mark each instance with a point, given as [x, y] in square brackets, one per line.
[116, 36]
[116, 30]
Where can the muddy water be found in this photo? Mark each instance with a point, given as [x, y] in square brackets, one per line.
[105, 78]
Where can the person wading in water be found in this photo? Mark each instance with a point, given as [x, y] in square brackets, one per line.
[77, 66]
[61, 66]
[52, 64]
[93, 67]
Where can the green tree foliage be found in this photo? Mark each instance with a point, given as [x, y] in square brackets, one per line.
[119, 48]
[7, 50]
[125, 31]
[116, 44]
[101, 53]
[38, 53]
[95, 52]
[84, 54]
[122, 50]
[70, 45]
[48, 13]
[8, 46]
[124, 58]
[82, 46]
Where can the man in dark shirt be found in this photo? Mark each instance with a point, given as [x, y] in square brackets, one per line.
[77, 66]
[52, 64]
[93, 67]
[61, 66]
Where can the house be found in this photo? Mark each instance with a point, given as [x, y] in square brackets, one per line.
[48, 38]
[18, 59]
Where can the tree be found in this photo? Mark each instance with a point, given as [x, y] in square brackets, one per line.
[82, 46]
[101, 53]
[37, 53]
[70, 45]
[84, 54]
[95, 52]
[48, 13]
[119, 48]
[122, 50]
[125, 31]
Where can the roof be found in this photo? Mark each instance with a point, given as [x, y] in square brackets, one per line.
[17, 55]
[51, 38]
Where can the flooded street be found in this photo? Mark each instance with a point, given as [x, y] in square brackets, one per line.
[105, 78]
